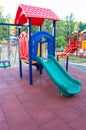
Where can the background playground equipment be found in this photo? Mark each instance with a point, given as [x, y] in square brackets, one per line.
[4, 56]
[35, 16]
[8, 49]
[82, 42]
[72, 47]
[78, 38]
[5, 53]
[76, 46]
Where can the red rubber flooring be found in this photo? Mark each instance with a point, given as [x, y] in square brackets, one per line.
[40, 106]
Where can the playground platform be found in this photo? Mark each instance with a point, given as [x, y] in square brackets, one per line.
[40, 106]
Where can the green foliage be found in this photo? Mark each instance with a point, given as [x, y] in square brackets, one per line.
[60, 42]
[34, 29]
[83, 27]
[47, 26]
[24, 28]
[60, 28]
[80, 25]
[3, 29]
[3, 32]
[65, 27]
[69, 24]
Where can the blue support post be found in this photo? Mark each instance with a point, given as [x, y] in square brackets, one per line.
[54, 33]
[20, 63]
[30, 52]
[67, 63]
[40, 43]
[40, 52]
[9, 45]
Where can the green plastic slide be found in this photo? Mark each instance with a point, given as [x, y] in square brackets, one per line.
[66, 83]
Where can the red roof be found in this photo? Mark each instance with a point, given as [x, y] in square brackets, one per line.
[36, 14]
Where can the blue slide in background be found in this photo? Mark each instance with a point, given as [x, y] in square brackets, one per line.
[67, 84]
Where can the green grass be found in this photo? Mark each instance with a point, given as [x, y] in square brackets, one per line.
[77, 59]
[73, 59]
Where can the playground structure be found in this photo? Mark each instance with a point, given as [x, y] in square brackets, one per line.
[76, 46]
[80, 37]
[82, 42]
[35, 16]
[71, 47]
[30, 49]
[75, 43]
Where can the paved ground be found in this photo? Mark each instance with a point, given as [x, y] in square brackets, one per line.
[79, 66]
[40, 106]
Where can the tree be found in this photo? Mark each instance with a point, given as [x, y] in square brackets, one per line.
[3, 29]
[80, 25]
[64, 29]
[47, 26]
[60, 28]
[69, 24]
[60, 42]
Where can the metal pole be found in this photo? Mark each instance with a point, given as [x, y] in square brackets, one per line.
[9, 45]
[54, 33]
[40, 43]
[30, 52]
[20, 63]
[67, 63]
[40, 52]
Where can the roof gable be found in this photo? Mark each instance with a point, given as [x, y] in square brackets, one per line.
[36, 14]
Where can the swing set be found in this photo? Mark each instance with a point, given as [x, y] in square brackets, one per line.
[5, 52]
[6, 48]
